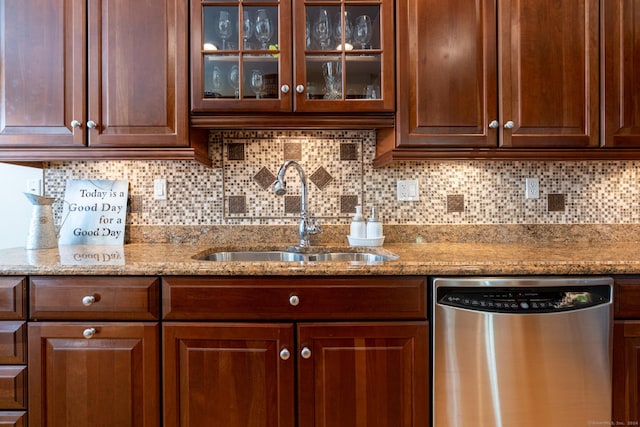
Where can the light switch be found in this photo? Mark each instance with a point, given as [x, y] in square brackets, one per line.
[160, 189]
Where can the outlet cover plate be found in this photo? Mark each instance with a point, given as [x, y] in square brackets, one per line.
[407, 190]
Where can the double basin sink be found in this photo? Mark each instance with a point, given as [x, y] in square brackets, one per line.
[296, 254]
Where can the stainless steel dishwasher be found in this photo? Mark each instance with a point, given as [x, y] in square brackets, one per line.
[522, 351]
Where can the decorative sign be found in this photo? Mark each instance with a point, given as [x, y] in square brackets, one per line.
[94, 212]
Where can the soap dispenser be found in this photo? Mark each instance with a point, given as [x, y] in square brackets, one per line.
[374, 227]
[358, 225]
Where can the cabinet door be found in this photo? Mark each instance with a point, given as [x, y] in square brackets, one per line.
[89, 375]
[549, 73]
[344, 56]
[363, 374]
[241, 56]
[42, 78]
[138, 68]
[228, 374]
[620, 79]
[446, 56]
[626, 373]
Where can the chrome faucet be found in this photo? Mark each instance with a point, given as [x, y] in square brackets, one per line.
[307, 225]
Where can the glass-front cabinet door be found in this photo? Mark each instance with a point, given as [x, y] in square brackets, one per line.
[241, 55]
[344, 57]
[262, 56]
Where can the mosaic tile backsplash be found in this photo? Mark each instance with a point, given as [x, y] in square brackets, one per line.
[238, 189]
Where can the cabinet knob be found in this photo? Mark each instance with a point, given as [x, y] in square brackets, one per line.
[494, 124]
[294, 300]
[509, 125]
[285, 354]
[300, 88]
[75, 124]
[91, 124]
[89, 333]
[305, 352]
[88, 300]
[284, 88]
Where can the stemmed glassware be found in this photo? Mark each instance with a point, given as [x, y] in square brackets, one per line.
[263, 28]
[348, 30]
[216, 78]
[257, 82]
[247, 28]
[224, 28]
[363, 31]
[322, 29]
[234, 79]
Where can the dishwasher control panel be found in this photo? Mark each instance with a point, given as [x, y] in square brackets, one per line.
[524, 300]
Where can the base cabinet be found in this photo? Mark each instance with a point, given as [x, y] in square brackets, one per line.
[338, 351]
[348, 374]
[93, 351]
[626, 351]
[90, 375]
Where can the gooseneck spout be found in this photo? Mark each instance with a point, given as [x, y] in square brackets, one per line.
[307, 225]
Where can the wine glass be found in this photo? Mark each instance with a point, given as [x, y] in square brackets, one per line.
[348, 30]
[247, 28]
[234, 79]
[363, 31]
[216, 78]
[322, 29]
[224, 28]
[332, 72]
[257, 82]
[263, 28]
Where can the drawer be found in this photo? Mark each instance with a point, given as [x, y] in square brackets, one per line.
[12, 298]
[294, 297]
[13, 339]
[13, 419]
[13, 387]
[626, 297]
[94, 298]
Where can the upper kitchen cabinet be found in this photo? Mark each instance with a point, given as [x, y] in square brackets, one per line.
[94, 79]
[620, 78]
[262, 63]
[481, 78]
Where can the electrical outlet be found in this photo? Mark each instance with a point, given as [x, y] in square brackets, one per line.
[407, 190]
[531, 188]
[34, 186]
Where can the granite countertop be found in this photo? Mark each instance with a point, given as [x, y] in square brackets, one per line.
[439, 258]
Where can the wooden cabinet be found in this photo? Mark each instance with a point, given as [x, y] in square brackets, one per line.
[277, 57]
[90, 80]
[310, 368]
[89, 372]
[620, 79]
[504, 80]
[626, 351]
[13, 354]
[229, 374]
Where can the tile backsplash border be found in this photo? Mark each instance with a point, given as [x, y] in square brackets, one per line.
[492, 191]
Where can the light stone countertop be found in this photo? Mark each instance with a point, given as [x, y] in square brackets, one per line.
[442, 258]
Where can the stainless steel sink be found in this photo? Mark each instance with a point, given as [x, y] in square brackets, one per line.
[293, 256]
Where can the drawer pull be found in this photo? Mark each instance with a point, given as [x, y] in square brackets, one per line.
[285, 354]
[294, 300]
[88, 300]
[89, 333]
